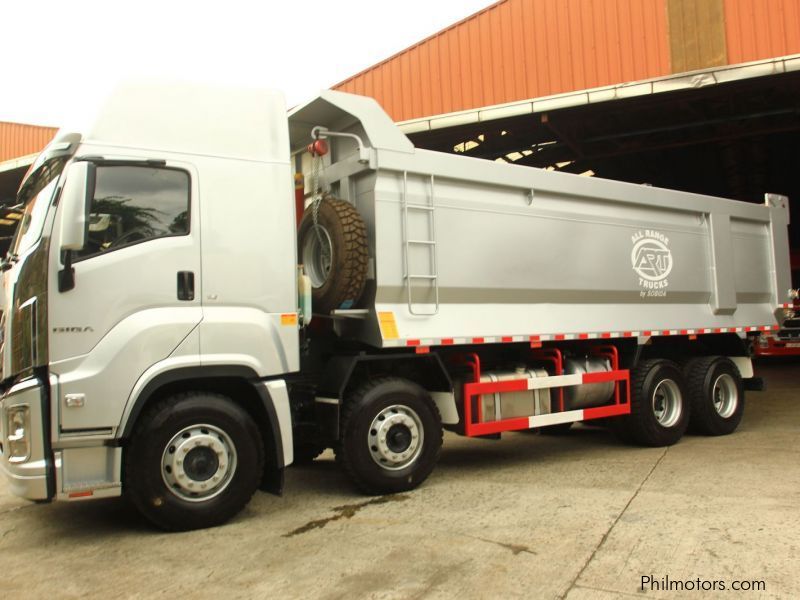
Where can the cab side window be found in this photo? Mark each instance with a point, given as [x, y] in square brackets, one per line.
[134, 204]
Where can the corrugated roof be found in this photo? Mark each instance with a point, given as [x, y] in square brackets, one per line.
[519, 49]
[757, 29]
[19, 139]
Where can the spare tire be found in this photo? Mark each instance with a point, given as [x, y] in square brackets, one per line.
[334, 254]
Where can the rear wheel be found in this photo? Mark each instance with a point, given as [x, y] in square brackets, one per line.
[194, 461]
[659, 405]
[716, 393]
[391, 436]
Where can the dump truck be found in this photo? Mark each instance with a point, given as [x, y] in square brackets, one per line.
[173, 333]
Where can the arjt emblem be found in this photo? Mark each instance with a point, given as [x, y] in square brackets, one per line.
[651, 260]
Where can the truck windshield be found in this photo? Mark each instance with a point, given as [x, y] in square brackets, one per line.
[34, 197]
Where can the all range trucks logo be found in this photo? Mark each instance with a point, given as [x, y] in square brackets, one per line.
[651, 259]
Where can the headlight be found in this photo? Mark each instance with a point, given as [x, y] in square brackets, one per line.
[19, 425]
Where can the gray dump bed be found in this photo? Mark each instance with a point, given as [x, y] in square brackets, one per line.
[498, 252]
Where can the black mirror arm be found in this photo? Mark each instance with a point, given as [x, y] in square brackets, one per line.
[66, 276]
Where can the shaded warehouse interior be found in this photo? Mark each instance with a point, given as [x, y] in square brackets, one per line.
[735, 140]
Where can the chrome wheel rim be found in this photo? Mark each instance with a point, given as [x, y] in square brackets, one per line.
[198, 463]
[667, 403]
[395, 437]
[725, 396]
[317, 255]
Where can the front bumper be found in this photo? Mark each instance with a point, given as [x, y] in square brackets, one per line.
[29, 481]
[27, 478]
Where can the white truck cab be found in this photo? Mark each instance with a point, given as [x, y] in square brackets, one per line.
[152, 251]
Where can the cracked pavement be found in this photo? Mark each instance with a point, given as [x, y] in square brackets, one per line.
[575, 517]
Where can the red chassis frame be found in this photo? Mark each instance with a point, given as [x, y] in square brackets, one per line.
[475, 388]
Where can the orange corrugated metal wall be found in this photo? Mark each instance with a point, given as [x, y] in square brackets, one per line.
[758, 29]
[18, 140]
[519, 49]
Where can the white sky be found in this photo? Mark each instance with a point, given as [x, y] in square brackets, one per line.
[59, 56]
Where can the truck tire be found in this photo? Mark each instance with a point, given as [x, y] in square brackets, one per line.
[716, 393]
[334, 254]
[391, 436]
[194, 461]
[659, 405]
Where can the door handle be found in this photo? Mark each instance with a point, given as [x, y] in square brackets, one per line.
[185, 285]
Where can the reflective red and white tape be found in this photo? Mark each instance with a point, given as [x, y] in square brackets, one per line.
[557, 337]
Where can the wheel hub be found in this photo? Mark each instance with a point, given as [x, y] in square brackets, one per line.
[725, 396]
[667, 403]
[198, 463]
[318, 255]
[201, 463]
[395, 437]
[398, 439]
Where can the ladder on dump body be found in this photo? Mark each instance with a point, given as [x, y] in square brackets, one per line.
[430, 244]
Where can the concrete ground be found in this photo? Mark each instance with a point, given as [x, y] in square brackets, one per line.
[530, 516]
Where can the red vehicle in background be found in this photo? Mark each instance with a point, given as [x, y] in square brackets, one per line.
[786, 341]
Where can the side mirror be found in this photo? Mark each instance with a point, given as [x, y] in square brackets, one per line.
[75, 200]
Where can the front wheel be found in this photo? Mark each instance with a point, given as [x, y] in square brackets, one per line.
[391, 436]
[194, 461]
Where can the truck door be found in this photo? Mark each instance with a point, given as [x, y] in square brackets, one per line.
[136, 294]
